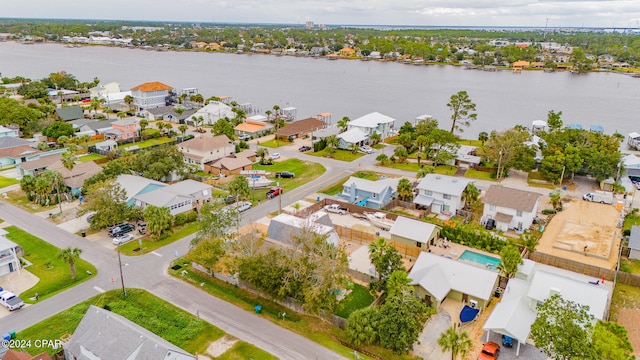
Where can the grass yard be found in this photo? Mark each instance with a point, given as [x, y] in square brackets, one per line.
[148, 245]
[305, 172]
[359, 298]
[631, 266]
[469, 142]
[6, 181]
[624, 297]
[310, 327]
[147, 143]
[91, 157]
[242, 351]
[273, 143]
[408, 166]
[630, 220]
[378, 146]
[481, 175]
[335, 188]
[342, 155]
[161, 318]
[53, 273]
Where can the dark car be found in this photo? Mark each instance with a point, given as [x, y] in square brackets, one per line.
[285, 175]
[304, 148]
[491, 223]
[230, 199]
[121, 230]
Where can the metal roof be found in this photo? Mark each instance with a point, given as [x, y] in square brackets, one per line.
[412, 229]
[634, 238]
[444, 184]
[371, 120]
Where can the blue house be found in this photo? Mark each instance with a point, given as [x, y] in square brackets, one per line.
[134, 185]
[373, 194]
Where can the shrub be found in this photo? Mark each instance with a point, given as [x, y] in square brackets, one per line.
[185, 218]
[548, 211]
[626, 232]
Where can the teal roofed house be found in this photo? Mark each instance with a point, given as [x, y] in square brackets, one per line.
[134, 185]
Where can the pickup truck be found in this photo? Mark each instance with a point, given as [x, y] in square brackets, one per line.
[337, 209]
[285, 175]
[10, 300]
[603, 197]
[275, 191]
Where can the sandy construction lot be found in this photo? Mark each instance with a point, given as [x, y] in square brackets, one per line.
[585, 232]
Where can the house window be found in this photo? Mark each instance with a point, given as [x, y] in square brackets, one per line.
[418, 244]
[519, 213]
[374, 195]
[446, 196]
[428, 192]
[492, 207]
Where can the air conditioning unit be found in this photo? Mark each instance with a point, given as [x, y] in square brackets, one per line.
[474, 304]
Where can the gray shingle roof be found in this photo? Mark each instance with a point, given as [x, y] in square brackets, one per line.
[511, 198]
[106, 335]
[412, 229]
[68, 113]
[634, 237]
[11, 142]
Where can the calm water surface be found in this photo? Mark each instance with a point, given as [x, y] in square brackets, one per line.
[349, 87]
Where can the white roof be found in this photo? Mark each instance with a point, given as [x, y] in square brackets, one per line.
[630, 161]
[160, 197]
[526, 268]
[412, 229]
[187, 187]
[371, 120]
[353, 136]
[439, 275]
[423, 117]
[539, 123]
[133, 184]
[257, 118]
[512, 316]
[373, 186]
[277, 232]
[6, 243]
[444, 184]
[544, 284]
[634, 135]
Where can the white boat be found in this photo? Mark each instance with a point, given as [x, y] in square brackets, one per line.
[256, 182]
[380, 220]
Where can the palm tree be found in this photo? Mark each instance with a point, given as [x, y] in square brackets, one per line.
[405, 192]
[128, 100]
[262, 153]
[457, 343]
[332, 144]
[375, 138]
[121, 114]
[342, 123]
[483, 137]
[470, 194]
[70, 255]
[183, 129]
[268, 113]
[143, 124]
[68, 160]
[425, 170]
[354, 148]
[84, 139]
[276, 110]
[95, 105]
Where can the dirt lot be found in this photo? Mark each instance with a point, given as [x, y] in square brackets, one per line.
[585, 232]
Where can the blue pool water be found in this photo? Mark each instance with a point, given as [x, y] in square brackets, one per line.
[483, 260]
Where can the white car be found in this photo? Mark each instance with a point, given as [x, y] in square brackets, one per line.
[243, 206]
[366, 149]
[125, 238]
[274, 156]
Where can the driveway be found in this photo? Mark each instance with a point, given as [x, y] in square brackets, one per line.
[427, 346]
[528, 352]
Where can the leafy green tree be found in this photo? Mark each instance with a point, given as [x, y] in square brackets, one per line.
[107, 199]
[554, 120]
[398, 283]
[470, 194]
[425, 170]
[510, 258]
[70, 256]
[611, 341]
[508, 148]
[402, 318]
[405, 191]
[463, 111]
[483, 136]
[159, 162]
[563, 330]
[121, 114]
[215, 223]
[59, 128]
[362, 326]
[552, 166]
[554, 198]
[262, 154]
[457, 343]
[406, 140]
[240, 187]
[208, 252]
[28, 185]
[222, 127]
[401, 153]
[444, 143]
[342, 123]
[183, 129]
[382, 159]
[386, 259]
[374, 138]
[159, 220]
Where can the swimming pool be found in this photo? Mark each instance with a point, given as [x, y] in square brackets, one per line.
[481, 259]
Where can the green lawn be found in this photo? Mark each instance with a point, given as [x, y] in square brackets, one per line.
[409, 166]
[161, 318]
[342, 155]
[274, 143]
[624, 297]
[631, 266]
[470, 142]
[336, 187]
[630, 220]
[147, 143]
[53, 273]
[19, 199]
[305, 172]
[243, 351]
[475, 174]
[91, 157]
[5, 181]
[308, 326]
[359, 298]
[378, 146]
[131, 248]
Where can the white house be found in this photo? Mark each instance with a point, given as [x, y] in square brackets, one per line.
[102, 90]
[533, 284]
[634, 242]
[352, 136]
[436, 277]
[9, 261]
[373, 122]
[150, 95]
[285, 227]
[178, 198]
[5, 131]
[441, 193]
[510, 208]
[211, 113]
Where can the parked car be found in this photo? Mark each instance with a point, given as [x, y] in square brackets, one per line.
[244, 137]
[274, 156]
[285, 175]
[124, 238]
[336, 209]
[491, 223]
[304, 148]
[121, 230]
[10, 300]
[366, 149]
[490, 351]
[243, 206]
[89, 218]
[230, 199]
[275, 191]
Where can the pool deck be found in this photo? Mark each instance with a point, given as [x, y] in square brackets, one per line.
[453, 251]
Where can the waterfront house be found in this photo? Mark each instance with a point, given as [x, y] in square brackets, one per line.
[253, 128]
[633, 139]
[533, 284]
[168, 113]
[102, 334]
[70, 113]
[441, 194]
[211, 113]
[510, 208]
[373, 122]
[9, 254]
[413, 232]
[150, 95]
[300, 128]
[634, 242]
[347, 52]
[374, 194]
[347, 139]
[104, 90]
[436, 278]
[206, 148]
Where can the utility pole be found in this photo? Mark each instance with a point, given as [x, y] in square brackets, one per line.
[124, 290]
[499, 163]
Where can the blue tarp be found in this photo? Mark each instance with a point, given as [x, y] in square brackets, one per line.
[468, 314]
[575, 126]
[596, 128]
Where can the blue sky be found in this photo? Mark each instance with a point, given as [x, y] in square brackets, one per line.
[558, 13]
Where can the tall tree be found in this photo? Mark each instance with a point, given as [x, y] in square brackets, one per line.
[129, 101]
[405, 191]
[611, 341]
[159, 220]
[362, 326]
[215, 223]
[402, 317]
[108, 200]
[28, 185]
[457, 343]
[240, 188]
[70, 256]
[222, 127]
[483, 136]
[374, 138]
[510, 258]
[463, 111]
[342, 123]
[386, 259]
[554, 121]
[183, 129]
[563, 330]
[208, 252]
[470, 194]
[143, 124]
[69, 159]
